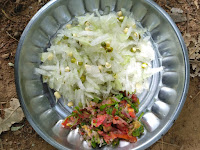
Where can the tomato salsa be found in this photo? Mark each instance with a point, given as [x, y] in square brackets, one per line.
[106, 122]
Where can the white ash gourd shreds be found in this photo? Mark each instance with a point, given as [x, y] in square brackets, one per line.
[97, 56]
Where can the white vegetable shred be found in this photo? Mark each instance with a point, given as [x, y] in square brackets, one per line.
[97, 58]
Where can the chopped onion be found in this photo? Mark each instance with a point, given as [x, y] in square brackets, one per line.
[95, 71]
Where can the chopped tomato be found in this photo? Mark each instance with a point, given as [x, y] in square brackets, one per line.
[64, 123]
[116, 117]
[82, 133]
[135, 99]
[123, 129]
[123, 102]
[113, 136]
[112, 123]
[131, 112]
[100, 119]
[114, 111]
[126, 137]
[107, 124]
[100, 132]
[107, 129]
[84, 115]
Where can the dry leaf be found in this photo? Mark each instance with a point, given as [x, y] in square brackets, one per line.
[193, 46]
[13, 114]
[196, 3]
[16, 128]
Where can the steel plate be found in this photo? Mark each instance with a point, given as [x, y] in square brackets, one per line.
[163, 101]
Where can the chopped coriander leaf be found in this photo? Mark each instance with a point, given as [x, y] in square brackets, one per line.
[138, 131]
[100, 127]
[78, 110]
[80, 105]
[133, 105]
[97, 100]
[109, 110]
[117, 109]
[140, 115]
[115, 142]
[94, 145]
[119, 96]
[82, 123]
[102, 107]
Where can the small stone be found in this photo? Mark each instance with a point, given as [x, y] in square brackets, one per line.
[33, 145]
[176, 10]
[178, 17]
[10, 64]
[17, 133]
[18, 8]
[16, 34]
[9, 29]
[10, 142]
[1, 77]
[5, 56]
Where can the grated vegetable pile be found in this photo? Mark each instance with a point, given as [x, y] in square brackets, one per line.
[97, 56]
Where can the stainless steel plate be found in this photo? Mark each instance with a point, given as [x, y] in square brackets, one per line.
[162, 103]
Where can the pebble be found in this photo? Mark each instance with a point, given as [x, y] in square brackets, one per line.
[176, 10]
[5, 56]
[10, 142]
[9, 29]
[16, 34]
[178, 17]
[11, 64]
[1, 77]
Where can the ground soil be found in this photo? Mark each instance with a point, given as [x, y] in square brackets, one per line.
[14, 16]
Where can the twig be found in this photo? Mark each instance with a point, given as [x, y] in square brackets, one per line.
[195, 62]
[169, 144]
[11, 36]
[189, 2]
[162, 142]
[168, 7]
[182, 147]
[3, 45]
[195, 96]
[187, 29]
[180, 2]
[7, 15]
[192, 53]
[1, 111]
[1, 144]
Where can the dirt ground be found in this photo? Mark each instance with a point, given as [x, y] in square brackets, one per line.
[14, 16]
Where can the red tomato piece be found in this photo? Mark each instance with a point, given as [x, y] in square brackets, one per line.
[132, 114]
[100, 120]
[127, 137]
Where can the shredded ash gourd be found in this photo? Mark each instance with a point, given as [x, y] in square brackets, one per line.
[97, 57]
